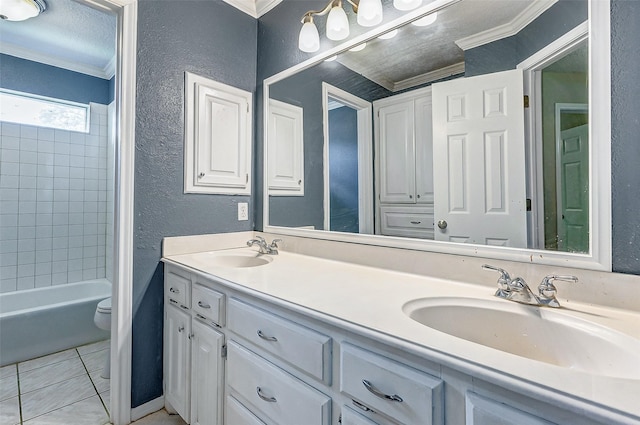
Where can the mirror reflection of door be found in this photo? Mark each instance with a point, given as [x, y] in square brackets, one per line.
[343, 168]
[565, 150]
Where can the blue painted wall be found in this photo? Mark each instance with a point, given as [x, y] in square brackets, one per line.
[277, 50]
[343, 169]
[625, 135]
[46, 80]
[208, 38]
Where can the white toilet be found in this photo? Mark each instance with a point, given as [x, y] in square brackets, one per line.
[102, 319]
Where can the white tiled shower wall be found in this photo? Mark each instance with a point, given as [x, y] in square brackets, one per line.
[54, 206]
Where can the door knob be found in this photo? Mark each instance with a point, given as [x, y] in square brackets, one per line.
[442, 224]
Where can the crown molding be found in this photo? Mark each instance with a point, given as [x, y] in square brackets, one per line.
[447, 71]
[105, 73]
[254, 8]
[506, 30]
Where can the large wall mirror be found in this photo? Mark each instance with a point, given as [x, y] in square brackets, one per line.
[472, 127]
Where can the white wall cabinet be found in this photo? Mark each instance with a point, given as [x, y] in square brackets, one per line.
[404, 162]
[286, 149]
[218, 137]
[284, 367]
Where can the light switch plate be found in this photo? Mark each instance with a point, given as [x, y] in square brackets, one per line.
[243, 211]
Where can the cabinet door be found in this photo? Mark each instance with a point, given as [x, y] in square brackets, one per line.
[177, 360]
[424, 150]
[286, 149]
[484, 411]
[396, 153]
[218, 138]
[207, 375]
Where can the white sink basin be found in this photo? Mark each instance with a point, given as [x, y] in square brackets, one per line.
[542, 334]
[239, 259]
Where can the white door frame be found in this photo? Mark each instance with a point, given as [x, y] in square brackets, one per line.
[582, 108]
[532, 68]
[122, 285]
[365, 155]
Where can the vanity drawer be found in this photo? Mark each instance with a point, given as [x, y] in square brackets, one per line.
[177, 283]
[407, 221]
[270, 392]
[351, 417]
[208, 303]
[237, 414]
[417, 397]
[302, 347]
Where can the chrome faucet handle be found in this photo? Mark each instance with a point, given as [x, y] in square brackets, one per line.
[548, 290]
[275, 242]
[504, 281]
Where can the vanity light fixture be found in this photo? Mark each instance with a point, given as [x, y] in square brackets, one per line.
[20, 10]
[369, 13]
[406, 4]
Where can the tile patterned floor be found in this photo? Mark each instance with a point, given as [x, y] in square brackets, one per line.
[64, 388]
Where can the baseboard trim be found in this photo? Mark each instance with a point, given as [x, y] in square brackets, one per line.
[147, 408]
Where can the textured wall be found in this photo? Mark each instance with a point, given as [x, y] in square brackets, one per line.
[625, 140]
[277, 51]
[211, 39]
[45, 80]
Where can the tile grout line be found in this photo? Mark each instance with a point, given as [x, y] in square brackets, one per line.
[94, 385]
[19, 392]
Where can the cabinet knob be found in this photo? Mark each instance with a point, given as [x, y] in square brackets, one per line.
[174, 290]
[442, 224]
[201, 175]
[180, 328]
[410, 196]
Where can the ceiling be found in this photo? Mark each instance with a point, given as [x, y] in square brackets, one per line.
[68, 35]
[418, 55]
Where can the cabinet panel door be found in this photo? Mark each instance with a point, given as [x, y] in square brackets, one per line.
[177, 358]
[424, 150]
[237, 414]
[207, 375]
[286, 149]
[396, 153]
[218, 137]
[484, 411]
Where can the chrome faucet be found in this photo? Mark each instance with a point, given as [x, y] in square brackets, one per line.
[271, 249]
[517, 289]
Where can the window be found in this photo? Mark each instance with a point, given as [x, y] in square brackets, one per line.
[24, 108]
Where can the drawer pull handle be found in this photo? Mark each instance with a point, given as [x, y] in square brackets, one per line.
[184, 307]
[264, 397]
[173, 301]
[174, 291]
[362, 406]
[416, 222]
[203, 305]
[267, 338]
[376, 392]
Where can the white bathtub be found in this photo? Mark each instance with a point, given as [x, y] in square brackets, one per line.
[42, 321]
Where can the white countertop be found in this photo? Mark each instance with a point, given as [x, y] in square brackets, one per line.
[373, 299]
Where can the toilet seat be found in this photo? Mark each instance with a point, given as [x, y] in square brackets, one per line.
[104, 306]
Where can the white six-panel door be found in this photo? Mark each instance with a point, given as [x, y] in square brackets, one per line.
[479, 157]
